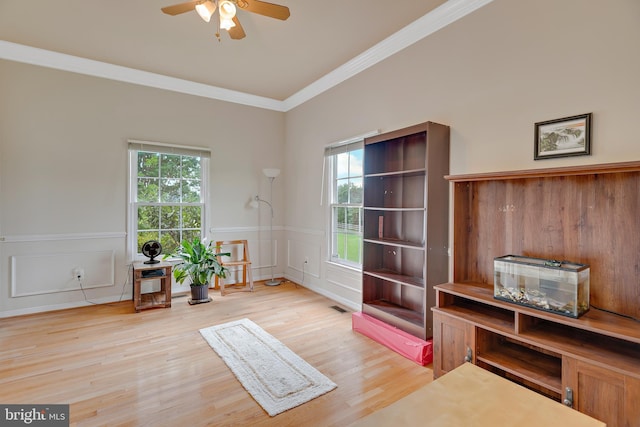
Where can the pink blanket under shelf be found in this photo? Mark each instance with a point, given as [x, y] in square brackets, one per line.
[413, 348]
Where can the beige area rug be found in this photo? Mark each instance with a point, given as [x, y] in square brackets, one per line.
[276, 377]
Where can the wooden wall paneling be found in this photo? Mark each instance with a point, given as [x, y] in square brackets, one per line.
[586, 219]
[586, 214]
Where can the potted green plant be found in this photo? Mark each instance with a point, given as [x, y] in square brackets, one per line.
[198, 262]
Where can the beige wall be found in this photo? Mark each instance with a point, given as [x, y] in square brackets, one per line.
[490, 76]
[63, 175]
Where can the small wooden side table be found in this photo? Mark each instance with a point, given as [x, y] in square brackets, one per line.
[143, 272]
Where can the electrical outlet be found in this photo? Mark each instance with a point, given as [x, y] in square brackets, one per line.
[78, 273]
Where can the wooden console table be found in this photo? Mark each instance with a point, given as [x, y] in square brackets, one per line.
[145, 272]
[474, 397]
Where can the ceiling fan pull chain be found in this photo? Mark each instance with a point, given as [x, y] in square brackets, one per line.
[218, 23]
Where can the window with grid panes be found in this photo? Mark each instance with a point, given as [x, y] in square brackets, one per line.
[346, 192]
[167, 195]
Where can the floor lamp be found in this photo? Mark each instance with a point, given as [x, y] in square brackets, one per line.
[270, 173]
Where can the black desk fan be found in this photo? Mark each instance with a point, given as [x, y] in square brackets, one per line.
[151, 250]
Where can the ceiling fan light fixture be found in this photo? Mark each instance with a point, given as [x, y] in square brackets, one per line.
[227, 24]
[227, 18]
[227, 10]
[206, 10]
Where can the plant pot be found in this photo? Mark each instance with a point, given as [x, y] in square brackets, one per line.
[200, 293]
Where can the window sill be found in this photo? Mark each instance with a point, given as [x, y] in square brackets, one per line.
[345, 266]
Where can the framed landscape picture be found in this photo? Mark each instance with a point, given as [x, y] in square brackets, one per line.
[569, 136]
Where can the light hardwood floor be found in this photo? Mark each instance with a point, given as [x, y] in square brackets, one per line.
[116, 367]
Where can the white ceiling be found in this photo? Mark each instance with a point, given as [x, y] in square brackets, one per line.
[278, 65]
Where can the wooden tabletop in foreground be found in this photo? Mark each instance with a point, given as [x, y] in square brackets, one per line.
[470, 396]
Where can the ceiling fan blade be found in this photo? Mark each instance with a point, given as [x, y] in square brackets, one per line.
[263, 8]
[236, 32]
[177, 9]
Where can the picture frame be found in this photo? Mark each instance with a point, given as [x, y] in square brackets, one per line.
[565, 137]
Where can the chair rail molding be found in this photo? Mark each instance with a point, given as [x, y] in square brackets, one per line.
[19, 238]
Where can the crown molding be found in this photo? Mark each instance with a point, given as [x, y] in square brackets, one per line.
[60, 61]
[433, 21]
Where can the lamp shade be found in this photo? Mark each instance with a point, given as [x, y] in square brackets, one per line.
[205, 10]
[227, 10]
[271, 172]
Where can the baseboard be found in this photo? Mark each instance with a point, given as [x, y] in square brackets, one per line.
[63, 306]
[353, 306]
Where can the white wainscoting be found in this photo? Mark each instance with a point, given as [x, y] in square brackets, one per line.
[37, 271]
[343, 284]
[41, 278]
[304, 257]
[336, 282]
[49, 273]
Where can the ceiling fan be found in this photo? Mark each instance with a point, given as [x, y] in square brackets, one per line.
[227, 11]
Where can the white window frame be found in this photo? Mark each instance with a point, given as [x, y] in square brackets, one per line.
[355, 143]
[136, 146]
